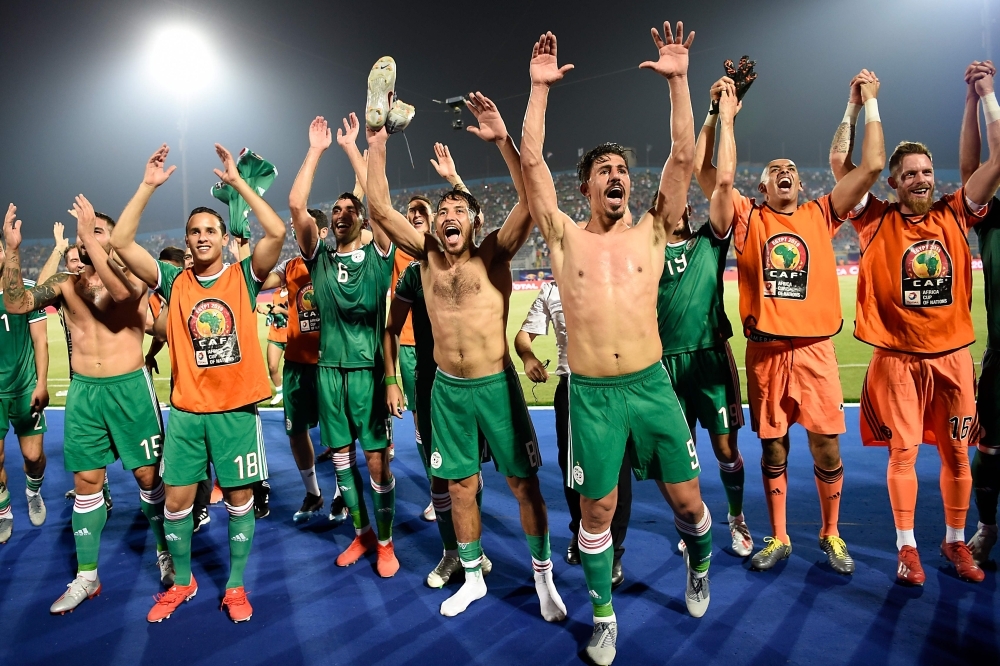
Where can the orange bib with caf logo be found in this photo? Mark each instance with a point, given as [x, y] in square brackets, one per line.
[788, 273]
[915, 283]
[302, 345]
[215, 356]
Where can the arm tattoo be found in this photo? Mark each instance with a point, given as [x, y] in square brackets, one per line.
[843, 139]
[37, 297]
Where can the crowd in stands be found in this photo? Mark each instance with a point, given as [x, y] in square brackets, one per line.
[498, 197]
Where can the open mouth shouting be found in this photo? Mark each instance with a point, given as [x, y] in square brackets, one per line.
[784, 183]
[452, 233]
[615, 194]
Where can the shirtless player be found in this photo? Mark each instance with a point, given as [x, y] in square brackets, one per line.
[620, 393]
[467, 291]
[111, 408]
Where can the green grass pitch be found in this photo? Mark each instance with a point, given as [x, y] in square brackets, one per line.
[852, 355]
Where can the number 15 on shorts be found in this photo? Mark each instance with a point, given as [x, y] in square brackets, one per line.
[151, 447]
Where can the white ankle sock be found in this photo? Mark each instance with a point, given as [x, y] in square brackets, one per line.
[954, 534]
[553, 608]
[309, 479]
[609, 618]
[474, 588]
[88, 575]
[905, 538]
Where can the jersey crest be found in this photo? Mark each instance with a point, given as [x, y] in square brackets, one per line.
[305, 304]
[213, 334]
[927, 275]
[786, 267]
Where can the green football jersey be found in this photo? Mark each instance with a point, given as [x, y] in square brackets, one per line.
[989, 249]
[409, 288]
[689, 305]
[350, 291]
[17, 353]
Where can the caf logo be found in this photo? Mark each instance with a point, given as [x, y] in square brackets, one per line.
[578, 474]
[306, 298]
[786, 252]
[436, 460]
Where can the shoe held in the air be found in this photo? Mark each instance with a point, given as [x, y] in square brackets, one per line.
[311, 505]
[400, 115]
[742, 541]
[79, 590]
[981, 543]
[381, 91]
[908, 567]
[165, 563]
[836, 553]
[959, 555]
[443, 572]
[338, 510]
[773, 552]
[573, 551]
[601, 648]
[237, 605]
[696, 590]
[387, 565]
[36, 509]
[167, 602]
[363, 543]
[429, 515]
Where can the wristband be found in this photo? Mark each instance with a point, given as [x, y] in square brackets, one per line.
[871, 111]
[990, 107]
[390, 381]
[852, 113]
[712, 118]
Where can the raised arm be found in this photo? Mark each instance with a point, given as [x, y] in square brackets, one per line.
[136, 258]
[445, 167]
[970, 141]
[398, 311]
[704, 170]
[38, 331]
[543, 203]
[119, 285]
[347, 139]
[16, 298]
[384, 217]
[985, 180]
[853, 187]
[842, 146]
[306, 231]
[492, 129]
[51, 265]
[268, 249]
[721, 207]
[671, 200]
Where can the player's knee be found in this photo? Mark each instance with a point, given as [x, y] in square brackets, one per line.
[725, 448]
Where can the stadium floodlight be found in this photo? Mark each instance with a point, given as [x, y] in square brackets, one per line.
[181, 60]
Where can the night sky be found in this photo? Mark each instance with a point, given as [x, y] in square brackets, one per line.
[79, 113]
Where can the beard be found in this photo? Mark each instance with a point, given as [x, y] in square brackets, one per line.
[918, 206]
[84, 257]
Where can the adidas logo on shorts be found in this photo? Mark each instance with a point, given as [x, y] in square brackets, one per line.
[82, 532]
[171, 537]
[240, 537]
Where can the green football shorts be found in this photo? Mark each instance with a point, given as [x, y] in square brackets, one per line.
[464, 409]
[279, 345]
[298, 382]
[232, 441]
[108, 418]
[353, 408]
[422, 408]
[638, 410]
[708, 388]
[15, 410]
[407, 374]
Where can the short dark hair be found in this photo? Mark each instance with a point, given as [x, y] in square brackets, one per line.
[322, 221]
[420, 197]
[213, 213]
[107, 219]
[461, 195]
[358, 204]
[587, 161]
[907, 148]
[174, 255]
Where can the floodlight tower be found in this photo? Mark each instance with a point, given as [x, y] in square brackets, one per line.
[182, 63]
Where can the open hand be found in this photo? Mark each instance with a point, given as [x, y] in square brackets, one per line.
[156, 174]
[319, 134]
[85, 217]
[673, 51]
[349, 135]
[228, 175]
[444, 165]
[544, 69]
[491, 126]
[12, 228]
[57, 232]
[234, 248]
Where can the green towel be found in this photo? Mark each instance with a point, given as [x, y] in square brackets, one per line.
[258, 174]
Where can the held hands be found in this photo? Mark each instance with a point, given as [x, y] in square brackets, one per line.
[229, 175]
[729, 104]
[491, 126]
[61, 243]
[715, 92]
[673, 50]
[979, 76]
[12, 228]
[444, 165]
[85, 218]
[155, 174]
[535, 371]
[394, 400]
[319, 134]
[544, 70]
